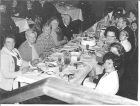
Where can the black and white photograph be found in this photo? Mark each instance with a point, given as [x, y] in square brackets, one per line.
[69, 52]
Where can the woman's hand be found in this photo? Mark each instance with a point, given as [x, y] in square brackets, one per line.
[62, 42]
[35, 62]
[42, 56]
[24, 70]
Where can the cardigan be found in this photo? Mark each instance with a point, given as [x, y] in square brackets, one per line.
[26, 52]
[7, 70]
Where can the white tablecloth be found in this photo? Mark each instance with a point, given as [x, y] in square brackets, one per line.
[80, 75]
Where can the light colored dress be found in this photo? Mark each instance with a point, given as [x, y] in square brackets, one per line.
[7, 69]
[108, 84]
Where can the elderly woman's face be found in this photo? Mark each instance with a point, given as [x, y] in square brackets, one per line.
[9, 43]
[108, 65]
[31, 37]
[123, 35]
[54, 24]
[114, 50]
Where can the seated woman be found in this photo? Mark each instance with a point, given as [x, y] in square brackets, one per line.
[117, 49]
[134, 27]
[56, 33]
[124, 40]
[44, 41]
[11, 63]
[27, 49]
[108, 82]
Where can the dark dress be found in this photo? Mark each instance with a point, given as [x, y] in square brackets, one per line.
[73, 28]
[131, 39]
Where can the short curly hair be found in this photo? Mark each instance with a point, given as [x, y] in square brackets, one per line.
[116, 59]
[112, 29]
[127, 35]
[9, 35]
[119, 47]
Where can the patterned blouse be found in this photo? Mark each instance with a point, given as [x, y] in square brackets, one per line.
[44, 43]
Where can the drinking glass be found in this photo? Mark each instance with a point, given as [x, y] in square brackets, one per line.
[67, 58]
[87, 47]
[78, 58]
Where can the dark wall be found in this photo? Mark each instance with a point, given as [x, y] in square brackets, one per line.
[93, 10]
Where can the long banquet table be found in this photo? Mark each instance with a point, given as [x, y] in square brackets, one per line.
[87, 64]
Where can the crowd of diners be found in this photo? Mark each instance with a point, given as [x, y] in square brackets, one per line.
[52, 30]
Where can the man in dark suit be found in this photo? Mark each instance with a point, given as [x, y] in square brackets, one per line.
[66, 26]
[70, 27]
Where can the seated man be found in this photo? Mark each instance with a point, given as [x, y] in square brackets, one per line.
[124, 40]
[27, 49]
[70, 27]
[111, 35]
